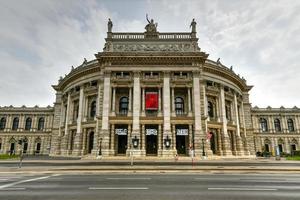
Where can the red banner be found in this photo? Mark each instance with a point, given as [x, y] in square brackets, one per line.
[151, 101]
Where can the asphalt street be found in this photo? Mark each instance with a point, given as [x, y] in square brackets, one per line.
[149, 186]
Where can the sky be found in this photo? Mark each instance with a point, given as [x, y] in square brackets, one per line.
[41, 40]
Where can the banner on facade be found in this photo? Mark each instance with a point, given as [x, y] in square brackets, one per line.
[151, 131]
[182, 131]
[121, 131]
[151, 101]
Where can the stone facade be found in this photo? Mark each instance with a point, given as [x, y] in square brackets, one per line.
[102, 106]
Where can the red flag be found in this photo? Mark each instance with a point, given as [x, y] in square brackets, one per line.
[151, 100]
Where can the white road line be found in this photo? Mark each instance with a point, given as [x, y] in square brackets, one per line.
[118, 188]
[129, 178]
[13, 189]
[3, 179]
[23, 181]
[245, 189]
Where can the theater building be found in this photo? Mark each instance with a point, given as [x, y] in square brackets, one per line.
[150, 94]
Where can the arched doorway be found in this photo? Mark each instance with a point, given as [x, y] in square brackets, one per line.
[91, 142]
[38, 146]
[12, 149]
[213, 142]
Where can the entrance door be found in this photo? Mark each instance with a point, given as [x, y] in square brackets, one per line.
[181, 144]
[151, 142]
[267, 148]
[12, 148]
[38, 148]
[91, 142]
[25, 147]
[280, 148]
[213, 146]
[122, 144]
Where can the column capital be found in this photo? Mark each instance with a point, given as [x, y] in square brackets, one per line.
[136, 74]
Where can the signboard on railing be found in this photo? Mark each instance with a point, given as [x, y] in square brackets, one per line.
[121, 131]
[151, 131]
[182, 131]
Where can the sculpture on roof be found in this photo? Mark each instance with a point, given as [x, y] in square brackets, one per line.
[151, 26]
[109, 25]
[193, 25]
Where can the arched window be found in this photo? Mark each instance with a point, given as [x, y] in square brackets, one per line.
[15, 125]
[263, 124]
[179, 105]
[41, 123]
[2, 123]
[123, 105]
[290, 123]
[93, 109]
[28, 124]
[210, 109]
[228, 112]
[277, 125]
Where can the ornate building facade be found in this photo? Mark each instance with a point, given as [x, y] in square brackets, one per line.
[150, 94]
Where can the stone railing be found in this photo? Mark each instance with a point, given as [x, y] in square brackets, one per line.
[164, 36]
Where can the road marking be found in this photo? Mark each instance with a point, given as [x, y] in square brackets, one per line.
[3, 179]
[245, 189]
[23, 181]
[13, 189]
[129, 178]
[118, 188]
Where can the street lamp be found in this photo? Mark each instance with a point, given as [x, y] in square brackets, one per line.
[203, 150]
[135, 142]
[167, 142]
[21, 142]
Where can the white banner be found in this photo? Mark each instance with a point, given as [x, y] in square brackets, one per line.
[151, 131]
[121, 131]
[182, 131]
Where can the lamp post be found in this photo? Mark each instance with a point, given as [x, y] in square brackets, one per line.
[167, 142]
[135, 144]
[203, 150]
[21, 142]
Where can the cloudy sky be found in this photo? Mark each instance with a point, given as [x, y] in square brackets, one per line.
[41, 40]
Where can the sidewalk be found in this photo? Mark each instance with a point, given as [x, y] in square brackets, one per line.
[152, 166]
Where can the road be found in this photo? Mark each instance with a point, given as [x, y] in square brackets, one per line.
[149, 186]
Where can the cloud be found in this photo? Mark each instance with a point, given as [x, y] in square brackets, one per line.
[40, 40]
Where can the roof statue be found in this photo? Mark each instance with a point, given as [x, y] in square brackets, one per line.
[151, 26]
[193, 25]
[109, 25]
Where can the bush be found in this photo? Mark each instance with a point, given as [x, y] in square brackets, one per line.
[296, 153]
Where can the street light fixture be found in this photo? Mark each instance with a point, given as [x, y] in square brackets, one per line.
[135, 142]
[100, 148]
[167, 142]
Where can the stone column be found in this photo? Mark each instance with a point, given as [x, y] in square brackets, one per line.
[167, 115]
[159, 102]
[284, 124]
[113, 106]
[112, 137]
[246, 149]
[129, 141]
[219, 142]
[174, 138]
[270, 124]
[143, 101]
[143, 140]
[160, 140]
[84, 141]
[136, 111]
[105, 115]
[64, 146]
[287, 145]
[225, 137]
[130, 102]
[239, 145]
[86, 109]
[8, 124]
[190, 112]
[198, 134]
[78, 137]
[173, 101]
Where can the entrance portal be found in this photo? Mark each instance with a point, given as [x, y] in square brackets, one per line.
[181, 144]
[122, 144]
[151, 141]
[91, 142]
